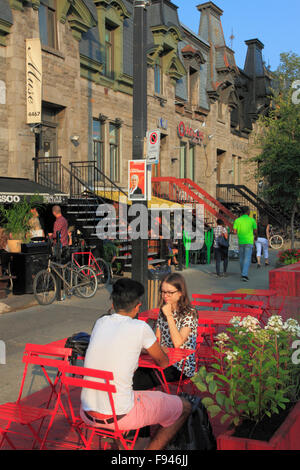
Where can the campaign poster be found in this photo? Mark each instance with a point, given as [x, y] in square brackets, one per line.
[137, 180]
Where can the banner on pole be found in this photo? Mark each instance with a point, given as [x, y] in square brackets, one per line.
[33, 81]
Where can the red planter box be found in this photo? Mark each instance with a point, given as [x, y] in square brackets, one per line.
[287, 437]
[286, 280]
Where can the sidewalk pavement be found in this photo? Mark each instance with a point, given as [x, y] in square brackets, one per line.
[200, 278]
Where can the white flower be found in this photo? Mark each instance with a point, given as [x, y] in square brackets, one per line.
[275, 324]
[231, 355]
[250, 323]
[292, 326]
[221, 338]
[235, 321]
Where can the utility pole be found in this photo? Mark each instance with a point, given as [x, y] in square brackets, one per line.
[140, 247]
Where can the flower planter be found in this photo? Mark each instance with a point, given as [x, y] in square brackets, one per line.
[287, 437]
[14, 246]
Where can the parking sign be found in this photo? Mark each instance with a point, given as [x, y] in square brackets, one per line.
[153, 146]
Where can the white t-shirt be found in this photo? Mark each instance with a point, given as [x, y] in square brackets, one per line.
[115, 346]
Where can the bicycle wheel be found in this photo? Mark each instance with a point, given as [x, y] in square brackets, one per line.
[44, 287]
[85, 282]
[102, 271]
[276, 242]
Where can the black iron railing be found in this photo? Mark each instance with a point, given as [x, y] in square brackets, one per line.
[243, 196]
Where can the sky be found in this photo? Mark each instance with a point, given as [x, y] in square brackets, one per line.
[275, 23]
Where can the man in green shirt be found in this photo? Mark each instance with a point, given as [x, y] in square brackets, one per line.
[245, 227]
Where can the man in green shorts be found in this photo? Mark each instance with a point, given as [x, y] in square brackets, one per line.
[245, 227]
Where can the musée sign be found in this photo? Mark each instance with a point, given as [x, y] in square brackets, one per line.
[185, 131]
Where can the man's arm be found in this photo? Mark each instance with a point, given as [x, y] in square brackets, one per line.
[159, 356]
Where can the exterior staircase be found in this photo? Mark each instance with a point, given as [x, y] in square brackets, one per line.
[186, 191]
[235, 196]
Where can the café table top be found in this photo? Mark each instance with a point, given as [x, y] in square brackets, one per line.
[256, 292]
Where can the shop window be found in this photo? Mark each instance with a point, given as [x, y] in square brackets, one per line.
[114, 152]
[98, 144]
[47, 23]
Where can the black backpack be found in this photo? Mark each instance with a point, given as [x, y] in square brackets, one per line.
[196, 433]
[78, 343]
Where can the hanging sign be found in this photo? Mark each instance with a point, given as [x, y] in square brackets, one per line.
[33, 81]
[153, 146]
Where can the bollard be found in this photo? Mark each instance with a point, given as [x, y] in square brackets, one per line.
[209, 237]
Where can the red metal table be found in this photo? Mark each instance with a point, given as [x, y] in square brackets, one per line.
[175, 355]
[266, 295]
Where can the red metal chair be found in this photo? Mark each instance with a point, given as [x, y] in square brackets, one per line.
[151, 314]
[25, 415]
[83, 378]
[206, 300]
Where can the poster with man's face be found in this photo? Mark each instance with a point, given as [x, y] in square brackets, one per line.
[137, 180]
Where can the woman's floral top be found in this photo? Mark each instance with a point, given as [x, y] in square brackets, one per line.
[184, 321]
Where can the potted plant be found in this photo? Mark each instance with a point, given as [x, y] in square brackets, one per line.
[254, 379]
[16, 219]
[289, 256]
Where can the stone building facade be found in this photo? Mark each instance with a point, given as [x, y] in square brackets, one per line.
[205, 106]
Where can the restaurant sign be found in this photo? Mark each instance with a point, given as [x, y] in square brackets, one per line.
[196, 136]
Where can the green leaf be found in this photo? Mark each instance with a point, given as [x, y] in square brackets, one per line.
[220, 398]
[201, 386]
[213, 410]
[207, 401]
[224, 418]
[212, 387]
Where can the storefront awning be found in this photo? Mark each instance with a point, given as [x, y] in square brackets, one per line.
[15, 189]
[156, 203]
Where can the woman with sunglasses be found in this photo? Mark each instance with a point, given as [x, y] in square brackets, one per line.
[176, 327]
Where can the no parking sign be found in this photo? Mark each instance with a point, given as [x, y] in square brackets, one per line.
[153, 146]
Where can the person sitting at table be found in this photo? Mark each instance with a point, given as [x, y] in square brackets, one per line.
[176, 327]
[115, 345]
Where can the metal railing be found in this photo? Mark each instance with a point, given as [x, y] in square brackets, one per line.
[243, 196]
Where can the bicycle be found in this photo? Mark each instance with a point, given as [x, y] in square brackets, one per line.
[101, 267]
[81, 281]
[275, 241]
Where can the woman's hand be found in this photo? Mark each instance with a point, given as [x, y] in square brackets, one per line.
[167, 310]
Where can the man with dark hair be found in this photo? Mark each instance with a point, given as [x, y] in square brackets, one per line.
[115, 345]
[245, 227]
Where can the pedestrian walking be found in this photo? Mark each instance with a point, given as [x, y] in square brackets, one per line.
[246, 228]
[220, 250]
[262, 240]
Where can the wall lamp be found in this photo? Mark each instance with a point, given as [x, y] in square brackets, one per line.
[174, 159]
[75, 139]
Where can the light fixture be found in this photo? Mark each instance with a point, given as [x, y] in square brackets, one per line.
[75, 139]
[174, 159]
[210, 136]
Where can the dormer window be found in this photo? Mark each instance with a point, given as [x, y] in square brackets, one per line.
[47, 23]
[158, 78]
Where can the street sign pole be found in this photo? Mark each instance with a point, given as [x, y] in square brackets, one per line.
[140, 247]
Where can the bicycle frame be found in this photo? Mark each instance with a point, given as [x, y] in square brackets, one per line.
[54, 268]
[91, 260]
